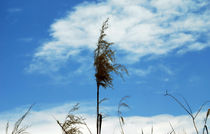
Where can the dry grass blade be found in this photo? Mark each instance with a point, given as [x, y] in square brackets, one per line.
[187, 104]
[208, 113]
[87, 127]
[152, 130]
[205, 128]
[142, 131]
[17, 129]
[167, 94]
[124, 105]
[122, 120]
[71, 125]
[120, 105]
[73, 109]
[173, 131]
[201, 107]
[72, 122]
[102, 100]
[7, 127]
[22, 130]
[183, 106]
[189, 110]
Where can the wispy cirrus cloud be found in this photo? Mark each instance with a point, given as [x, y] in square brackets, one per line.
[26, 39]
[14, 10]
[43, 122]
[138, 28]
[150, 69]
[141, 72]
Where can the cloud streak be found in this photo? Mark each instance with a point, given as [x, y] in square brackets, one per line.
[139, 28]
[42, 121]
[14, 10]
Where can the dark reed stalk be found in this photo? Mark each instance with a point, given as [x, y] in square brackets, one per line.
[205, 128]
[104, 62]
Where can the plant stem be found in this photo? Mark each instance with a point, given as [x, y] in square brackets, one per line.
[195, 125]
[122, 132]
[97, 123]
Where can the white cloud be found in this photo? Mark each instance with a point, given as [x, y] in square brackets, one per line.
[193, 47]
[139, 28]
[150, 69]
[166, 69]
[141, 72]
[42, 121]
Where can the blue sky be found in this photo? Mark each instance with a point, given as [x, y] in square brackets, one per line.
[46, 52]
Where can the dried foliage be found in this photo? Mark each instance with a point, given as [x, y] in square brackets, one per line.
[205, 128]
[17, 129]
[188, 109]
[102, 100]
[7, 127]
[72, 122]
[104, 60]
[173, 131]
[122, 104]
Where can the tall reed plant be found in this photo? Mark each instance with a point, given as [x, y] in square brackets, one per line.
[105, 65]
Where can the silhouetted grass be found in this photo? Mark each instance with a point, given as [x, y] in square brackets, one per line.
[188, 109]
[104, 62]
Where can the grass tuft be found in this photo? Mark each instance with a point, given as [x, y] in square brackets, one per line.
[17, 129]
[72, 122]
